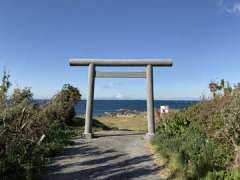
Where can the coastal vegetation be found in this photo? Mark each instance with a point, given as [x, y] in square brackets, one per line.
[31, 133]
[199, 142]
[203, 141]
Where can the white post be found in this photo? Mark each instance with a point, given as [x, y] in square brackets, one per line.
[90, 98]
[150, 106]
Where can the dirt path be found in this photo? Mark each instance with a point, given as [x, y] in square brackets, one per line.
[114, 155]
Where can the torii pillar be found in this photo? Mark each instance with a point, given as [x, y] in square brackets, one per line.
[92, 74]
[89, 105]
[150, 101]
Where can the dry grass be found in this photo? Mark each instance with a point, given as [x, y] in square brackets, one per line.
[165, 172]
[133, 122]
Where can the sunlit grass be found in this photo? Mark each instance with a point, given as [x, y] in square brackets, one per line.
[132, 122]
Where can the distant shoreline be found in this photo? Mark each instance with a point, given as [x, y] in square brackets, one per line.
[102, 106]
[197, 100]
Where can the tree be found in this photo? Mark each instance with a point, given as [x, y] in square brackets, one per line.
[62, 105]
[221, 86]
[4, 87]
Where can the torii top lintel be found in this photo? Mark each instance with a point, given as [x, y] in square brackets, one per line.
[121, 62]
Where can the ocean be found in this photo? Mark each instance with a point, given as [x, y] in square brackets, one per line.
[102, 106]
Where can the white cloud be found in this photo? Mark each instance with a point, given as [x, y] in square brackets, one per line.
[230, 6]
[236, 8]
[119, 96]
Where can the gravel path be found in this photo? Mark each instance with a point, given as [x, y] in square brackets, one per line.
[113, 155]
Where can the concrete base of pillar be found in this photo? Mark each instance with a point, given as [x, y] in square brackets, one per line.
[88, 135]
[149, 136]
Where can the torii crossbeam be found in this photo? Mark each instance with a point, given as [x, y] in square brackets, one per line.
[148, 74]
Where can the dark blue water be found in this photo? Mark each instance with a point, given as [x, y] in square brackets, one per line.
[101, 106]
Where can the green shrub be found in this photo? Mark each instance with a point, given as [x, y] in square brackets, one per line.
[203, 139]
[62, 105]
[29, 133]
[223, 175]
[190, 139]
[190, 152]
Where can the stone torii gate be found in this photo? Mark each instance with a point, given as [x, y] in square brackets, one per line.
[92, 74]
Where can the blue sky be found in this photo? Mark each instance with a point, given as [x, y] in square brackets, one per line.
[202, 37]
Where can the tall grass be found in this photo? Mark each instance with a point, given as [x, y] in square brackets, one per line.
[203, 140]
[29, 133]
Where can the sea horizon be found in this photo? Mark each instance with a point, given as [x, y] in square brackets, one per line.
[102, 106]
[102, 99]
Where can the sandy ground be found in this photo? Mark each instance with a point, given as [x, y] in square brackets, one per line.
[113, 155]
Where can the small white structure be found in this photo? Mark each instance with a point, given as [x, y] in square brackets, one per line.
[164, 109]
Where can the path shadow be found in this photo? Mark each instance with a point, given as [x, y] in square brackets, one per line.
[85, 149]
[104, 169]
[94, 164]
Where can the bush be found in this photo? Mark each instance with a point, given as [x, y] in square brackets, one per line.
[223, 175]
[203, 138]
[230, 132]
[30, 133]
[190, 152]
[62, 105]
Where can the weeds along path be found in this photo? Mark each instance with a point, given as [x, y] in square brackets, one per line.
[113, 155]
